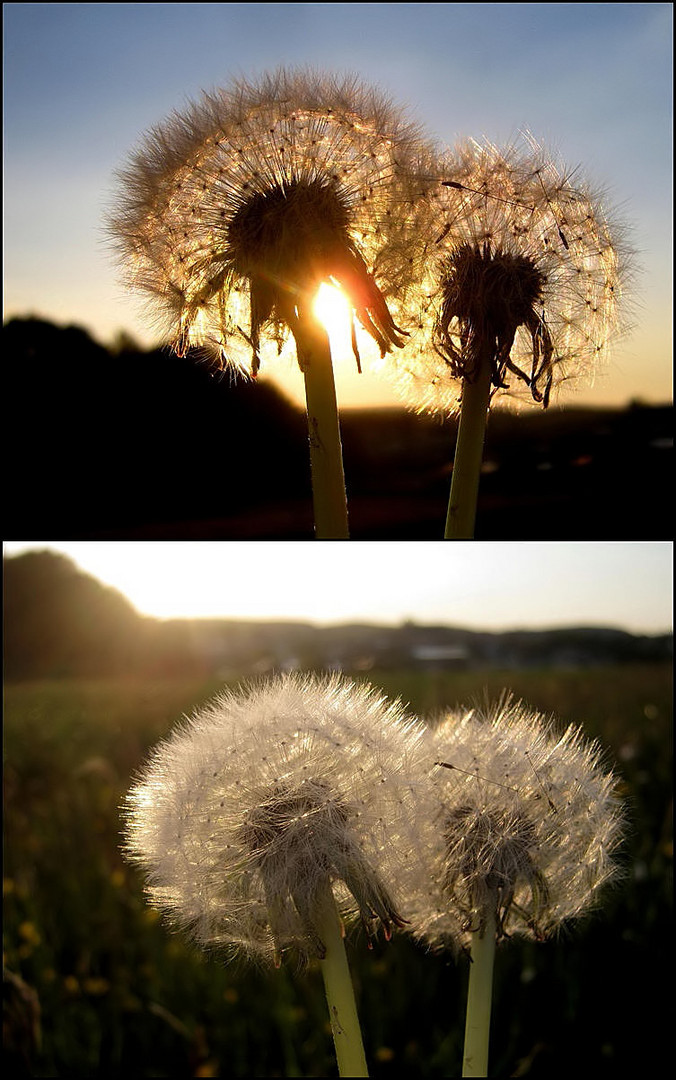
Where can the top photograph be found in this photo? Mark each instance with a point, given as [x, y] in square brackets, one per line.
[338, 271]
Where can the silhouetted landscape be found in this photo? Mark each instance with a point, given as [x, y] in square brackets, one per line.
[143, 444]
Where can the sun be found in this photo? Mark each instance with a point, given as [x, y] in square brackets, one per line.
[332, 308]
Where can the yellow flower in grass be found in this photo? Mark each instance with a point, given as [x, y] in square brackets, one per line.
[29, 933]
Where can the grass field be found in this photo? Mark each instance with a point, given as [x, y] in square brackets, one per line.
[96, 986]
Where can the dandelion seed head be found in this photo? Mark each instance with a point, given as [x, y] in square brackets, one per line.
[526, 822]
[527, 272]
[265, 795]
[233, 212]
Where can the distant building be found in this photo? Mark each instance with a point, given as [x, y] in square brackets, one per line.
[440, 657]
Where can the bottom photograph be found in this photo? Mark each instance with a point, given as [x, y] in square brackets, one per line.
[282, 809]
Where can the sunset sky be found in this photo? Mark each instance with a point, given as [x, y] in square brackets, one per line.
[84, 81]
[496, 586]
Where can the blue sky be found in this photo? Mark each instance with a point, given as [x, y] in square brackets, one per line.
[84, 81]
[496, 586]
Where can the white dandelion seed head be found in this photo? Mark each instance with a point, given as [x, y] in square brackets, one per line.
[527, 820]
[529, 265]
[232, 212]
[266, 795]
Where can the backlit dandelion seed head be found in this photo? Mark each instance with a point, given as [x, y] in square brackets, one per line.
[525, 820]
[234, 211]
[248, 810]
[527, 272]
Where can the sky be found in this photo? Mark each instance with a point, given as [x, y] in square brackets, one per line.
[482, 586]
[83, 82]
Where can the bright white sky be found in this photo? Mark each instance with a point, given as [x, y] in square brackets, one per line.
[475, 585]
[83, 82]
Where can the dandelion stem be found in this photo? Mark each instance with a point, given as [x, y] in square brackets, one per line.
[339, 992]
[326, 455]
[480, 992]
[468, 455]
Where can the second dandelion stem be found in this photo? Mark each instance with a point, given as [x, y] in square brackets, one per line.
[326, 455]
[339, 992]
[468, 455]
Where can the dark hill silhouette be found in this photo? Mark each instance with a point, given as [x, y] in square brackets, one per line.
[128, 442]
[58, 620]
[150, 445]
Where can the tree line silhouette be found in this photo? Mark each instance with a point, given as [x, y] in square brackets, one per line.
[128, 443]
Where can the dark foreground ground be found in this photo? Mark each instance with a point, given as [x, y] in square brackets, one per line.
[147, 445]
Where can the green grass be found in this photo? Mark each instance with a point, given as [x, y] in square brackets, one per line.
[118, 994]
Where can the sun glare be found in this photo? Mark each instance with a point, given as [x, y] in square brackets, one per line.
[332, 309]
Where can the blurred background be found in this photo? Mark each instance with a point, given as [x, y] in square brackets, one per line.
[130, 441]
[95, 984]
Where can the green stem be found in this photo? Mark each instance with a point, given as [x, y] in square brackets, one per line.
[326, 455]
[340, 992]
[480, 992]
[468, 456]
